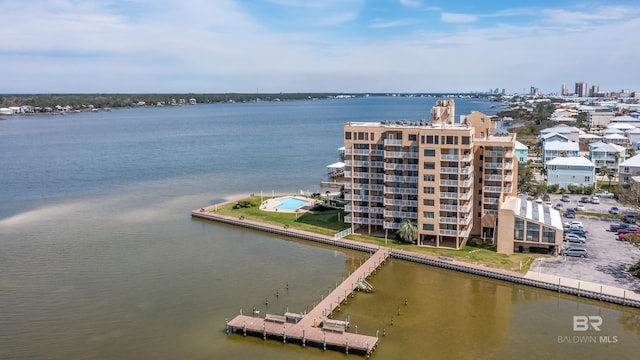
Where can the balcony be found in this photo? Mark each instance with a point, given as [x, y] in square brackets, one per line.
[447, 157]
[352, 197]
[378, 164]
[496, 189]
[392, 142]
[361, 220]
[490, 200]
[396, 190]
[402, 179]
[463, 209]
[449, 170]
[490, 212]
[449, 182]
[493, 165]
[467, 170]
[350, 186]
[446, 232]
[507, 189]
[467, 182]
[498, 177]
[493, 154]
[357, 151]
[448, 220]
[401, 214]
[397, 202]
[377, 152]
[455, 195]
[364, 209]
[392, 225]
[401, 154]
[508, 165]
[466, 158]
[362, 175]
[392, 166]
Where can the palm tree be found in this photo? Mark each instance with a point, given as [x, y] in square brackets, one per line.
[563, 154]
[604, 171]
[408, 231]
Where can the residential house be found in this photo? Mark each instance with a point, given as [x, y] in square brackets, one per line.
[553, 149]
[629, 168]
[634, 138]
[522, 152]
[552, 137]
[606, 154]
[566, 171]
[572, 133]
[586, 140]
[599, 119]
[618, 139]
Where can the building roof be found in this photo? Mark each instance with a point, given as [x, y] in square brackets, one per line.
[596, 144]
[521, 146]
[634, 131]
[550, 135]
[574, 160]
[533, 211]
[631, 162]
[608, 147]
[624, 118]
[561, 146]
[336, 165]
[562, 129]
[590, 136]
[609, 131]
[621, 126]
[615, 137]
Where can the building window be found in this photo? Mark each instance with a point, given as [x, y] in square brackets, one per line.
[518, 229]
[466, 140]
[429, 152]
[450, 140]
[413, 137]
[427, 227]
[548, 235]
[428, 202]
[429, 177]
[432, 139]
[371, 136]
[429, 190]
[587, 178]
[428, 214]
[533, 232]
[429, 166]
[347, 135]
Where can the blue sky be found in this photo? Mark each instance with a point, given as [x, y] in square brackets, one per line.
[73, 46]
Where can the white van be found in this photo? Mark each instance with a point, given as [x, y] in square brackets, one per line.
[575, 251]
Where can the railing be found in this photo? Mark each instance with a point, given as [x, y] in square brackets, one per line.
[448, 220]
[351, 197]
[449, 170]
[493, 177]
[350, 186]
[466, 158]
[396, 202]
[377, 152]
[364, 209]
[490, 212]
[466, 183]
[401, 214]
[492, 189]
[396, 190]
[491, 200]
[404, 179]
[446, 232]
[507, 189]
[493, 165]
[361, 220]
[363, 163]
[356, 151]
[464, 220]
[448, 157]
[455, 195]
[449, 182]
[508, 165]
[493, 154]
[392, 142]
[392, 225]
[392, 166]
[401, 154]
[466, 170]
[363, 175]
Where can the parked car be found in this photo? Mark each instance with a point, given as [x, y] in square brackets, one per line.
[622, 236]
[577, 223]
[558, 206]
[629, 218]
[547, 203]
[605, 194]
[595, 200]
[580, 233]
[539, 200]
[580, 207]
[573, 238]
[585, 199]
[614, 210]
[617, 227]
[565, 198]
[570, 214]
[627, 230]
[575, 251]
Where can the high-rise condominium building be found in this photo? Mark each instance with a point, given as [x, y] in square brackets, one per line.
[581, 89]
[448, 178]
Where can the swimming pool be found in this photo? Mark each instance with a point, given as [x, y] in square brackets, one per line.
[290, 203]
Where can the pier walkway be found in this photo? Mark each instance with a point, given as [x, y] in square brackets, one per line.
[315, 327]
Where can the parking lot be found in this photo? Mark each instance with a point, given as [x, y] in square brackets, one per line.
[608, 260]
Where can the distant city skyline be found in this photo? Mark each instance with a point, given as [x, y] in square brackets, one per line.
[271, 46]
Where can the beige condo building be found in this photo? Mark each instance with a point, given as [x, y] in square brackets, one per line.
[449, 178]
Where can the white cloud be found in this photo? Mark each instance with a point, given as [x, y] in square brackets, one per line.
[411, 3]
[457, 18]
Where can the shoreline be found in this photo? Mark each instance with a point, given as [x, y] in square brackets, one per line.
[544, 281]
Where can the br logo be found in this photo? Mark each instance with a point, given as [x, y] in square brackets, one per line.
[584, 323]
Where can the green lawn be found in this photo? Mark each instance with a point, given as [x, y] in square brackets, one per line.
[327, 223]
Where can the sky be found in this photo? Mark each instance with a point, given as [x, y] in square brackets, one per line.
[349, 46]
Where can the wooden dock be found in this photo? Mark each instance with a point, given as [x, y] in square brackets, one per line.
[315, 328]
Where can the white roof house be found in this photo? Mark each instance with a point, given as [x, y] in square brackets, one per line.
[611, 130]
[575, 160]
[566, 171]
[621, 126]
[521, 146]
[633, 135]
[629, 168]
[553, 149]
[570, 132]
[615, 138]
[625, 119]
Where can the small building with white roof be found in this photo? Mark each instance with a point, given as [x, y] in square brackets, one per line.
[618, 139]
[570, 132]
[522, 152]
[575, 170]
[528, 227]
[606, 154]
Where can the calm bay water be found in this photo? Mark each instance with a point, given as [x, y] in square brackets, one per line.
[99, 257]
